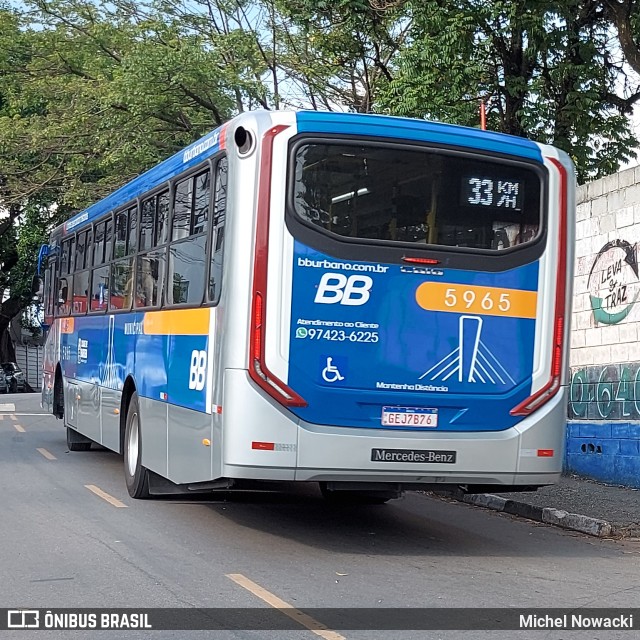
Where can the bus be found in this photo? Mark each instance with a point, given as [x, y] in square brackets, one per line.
[366, 302]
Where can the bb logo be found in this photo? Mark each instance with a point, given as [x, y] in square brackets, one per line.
[197, 370]
[337, 288]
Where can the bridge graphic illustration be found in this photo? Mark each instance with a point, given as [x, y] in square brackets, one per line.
[472, 361]
[110, 375]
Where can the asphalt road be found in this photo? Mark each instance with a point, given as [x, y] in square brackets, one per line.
[70, 536]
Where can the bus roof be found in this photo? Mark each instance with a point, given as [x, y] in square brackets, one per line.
[420, 130]
[370, 125]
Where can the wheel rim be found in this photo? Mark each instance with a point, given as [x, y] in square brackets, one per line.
[133, 445]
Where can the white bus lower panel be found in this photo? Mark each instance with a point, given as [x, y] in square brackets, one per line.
[265, 441]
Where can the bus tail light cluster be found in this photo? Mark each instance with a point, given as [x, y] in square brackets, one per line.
[552, 387]
[258, 370]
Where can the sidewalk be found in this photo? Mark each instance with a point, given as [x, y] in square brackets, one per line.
[574, 503]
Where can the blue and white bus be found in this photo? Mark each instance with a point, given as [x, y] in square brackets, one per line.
[367, 302]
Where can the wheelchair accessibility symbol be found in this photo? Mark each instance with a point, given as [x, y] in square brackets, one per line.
[331, 373]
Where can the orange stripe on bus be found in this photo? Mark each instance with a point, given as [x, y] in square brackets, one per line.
[482, 301]
[177, 322]
[67, 325]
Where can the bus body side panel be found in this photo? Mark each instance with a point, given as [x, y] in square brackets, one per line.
[153, 434]
[246, 417]
[51, 358]
[189, 458]
[174, 370]
[110, 403]
[260, 439]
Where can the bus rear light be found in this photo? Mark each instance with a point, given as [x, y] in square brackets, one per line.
[557, 347]
[421, 260]
[545, 453]
[257, 324]
[263, 446]
[258, 370]
[540, 397]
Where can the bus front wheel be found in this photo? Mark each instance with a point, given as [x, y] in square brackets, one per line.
[136, 476]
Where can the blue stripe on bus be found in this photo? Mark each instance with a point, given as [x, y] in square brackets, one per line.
[120, 345]
[419, 130]
[185, 159]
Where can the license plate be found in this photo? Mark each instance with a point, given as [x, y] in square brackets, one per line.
[409, 417]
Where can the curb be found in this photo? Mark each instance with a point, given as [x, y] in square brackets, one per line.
[547, 515]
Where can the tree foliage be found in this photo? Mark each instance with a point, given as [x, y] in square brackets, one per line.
[93, 93]
[550, 71]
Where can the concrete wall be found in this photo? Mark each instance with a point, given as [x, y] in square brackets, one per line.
[604, 411]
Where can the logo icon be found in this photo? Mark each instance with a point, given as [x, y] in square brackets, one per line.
[338, 288]
[301, 332]
[471, 360]
[331, 373]
[23, 619]
[198, 370]
[613, 282]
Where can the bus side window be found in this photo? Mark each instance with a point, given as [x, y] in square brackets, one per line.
[80, 250]
[48, 289]
[149, 279]
[162, 218]
[64, 295]
[182, 209]
[121, 284]
[132, 243]
[99, 288]
[187, 254]
[108, 237]
[120, 236]
[98, 244]
[80, 291]
[217, 231]
[201, 202]
[148, 214]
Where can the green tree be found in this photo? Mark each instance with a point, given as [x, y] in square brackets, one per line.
[549, 71]
[90, 96]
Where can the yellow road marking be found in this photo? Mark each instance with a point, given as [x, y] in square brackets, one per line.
[287, 609]
[105, 496]
[19, 429]
[46, 454]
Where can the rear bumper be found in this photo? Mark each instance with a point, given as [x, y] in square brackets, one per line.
[296, 450]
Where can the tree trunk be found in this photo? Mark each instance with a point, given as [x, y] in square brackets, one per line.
[7, 350]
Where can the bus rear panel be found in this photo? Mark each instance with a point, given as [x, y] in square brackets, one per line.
[409, 309]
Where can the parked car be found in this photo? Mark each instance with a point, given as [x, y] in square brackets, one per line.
[14, 377]
[4, 386]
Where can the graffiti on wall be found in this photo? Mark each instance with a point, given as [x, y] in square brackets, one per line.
[613, 282]
[605, 392]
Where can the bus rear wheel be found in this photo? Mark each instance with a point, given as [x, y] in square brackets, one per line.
[136, 476]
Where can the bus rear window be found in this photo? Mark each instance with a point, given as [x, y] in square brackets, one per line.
[418, 196]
